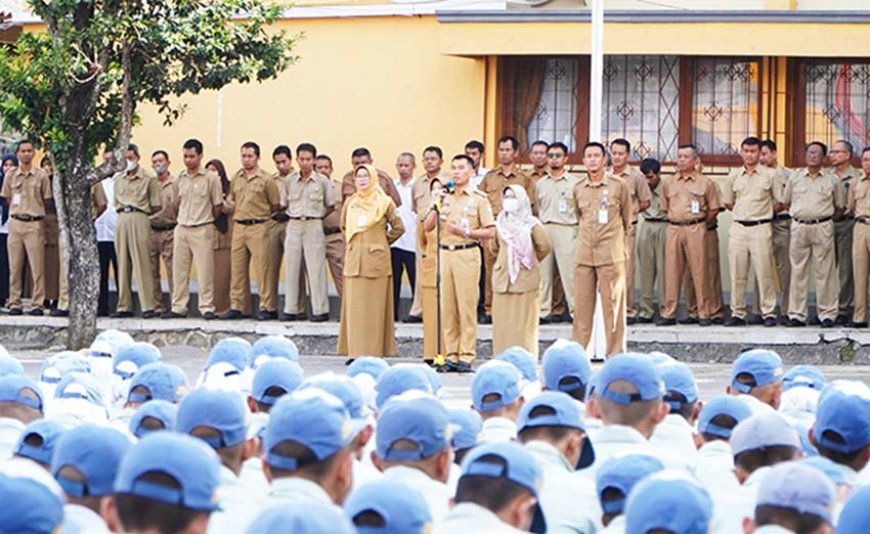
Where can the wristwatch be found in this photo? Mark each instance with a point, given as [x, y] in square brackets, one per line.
[467, 233]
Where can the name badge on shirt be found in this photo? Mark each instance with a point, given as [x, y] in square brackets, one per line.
[696, 207]
[463, 222]
[16, 199]
[602, 216]
[362, 221]
[563, 206]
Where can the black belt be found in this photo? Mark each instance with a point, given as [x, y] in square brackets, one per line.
[655, 219]
[306, 218]
[863, 220]
[197, 225]
[28, 218]
[249, 222]
[686, 223]
[634, 222]
[329, 230]
[129, 209]
[782, 217]
[162, 227]
[280, 217]
[459, 247]
[815, 221]
[754, 223]
[847, 217]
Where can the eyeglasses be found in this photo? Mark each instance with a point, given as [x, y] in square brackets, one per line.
[555, 155]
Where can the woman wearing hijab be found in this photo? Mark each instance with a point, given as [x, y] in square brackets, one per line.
[520, 244]
[428, 278]
[370, 224]
[8, 163]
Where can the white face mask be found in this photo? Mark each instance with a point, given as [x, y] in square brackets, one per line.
[511, 205]
[131, 165]
[160, 170]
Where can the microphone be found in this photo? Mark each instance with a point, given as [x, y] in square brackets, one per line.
[450, 186]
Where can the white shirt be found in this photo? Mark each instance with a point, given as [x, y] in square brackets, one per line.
[569, 503]
[106, 222]
[239, 504]
[730, 508]
[435, 493]
[10, 430]
[364, 472]
[477, 178]
[408, 240]
[613, 441]
[499, 430]
[468, 518]
[252, 475]
[757, 407]
[453, 479]
[715, 468]
[78, 518]
[773, 529]
[4, 226]
[674, 442]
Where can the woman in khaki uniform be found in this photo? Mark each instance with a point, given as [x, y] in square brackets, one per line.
[521, 243]
[428, 277]
[223, 240]
[370, 224]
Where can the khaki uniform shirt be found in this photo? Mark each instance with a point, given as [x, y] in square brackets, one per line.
[654, 211]
[98, 199]
[555, 199]
[348, 187]
[253, 198]
[753, 194]
[859, 197]
[168, 213]
[26, 193]
[782, 176]
[368, 253]
[495, 181]
[140, 191]
[849, 178]
[469, 209]
[637, 187]
[333, 220]
[813, 196]
[198, 194]
[604, 212]
[307, 198]
[680, 193]
[537, 174]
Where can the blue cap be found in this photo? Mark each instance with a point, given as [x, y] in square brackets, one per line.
[516, 465]
[132, 357]
[10, 366]
[13, 388]
[843, 417]
[636, 369]
[832, 470]
[309, 517]
[311, 417]
[761, 431]
[422, 421]
[344, 389]
[217, 409]
[277, 372]
[399, 379]
[433, 376]
[96, 453]
[233, 350]
[467, 428]
[368, 365]
[557, 409]
[402, 508]
[765, 367]
[115, 338]
[807, 376]
[522, 360]
[798, 487]
[162, 380]
[728, 405]
[47, 432]
[161, 410]
[622, 473]
[274, 347]
[855, 515]
[566, 359]
[193, 465]
[29, 507]
[668, 501]
[56, 367]
[679, 379]
[496, 378]
[77, 385]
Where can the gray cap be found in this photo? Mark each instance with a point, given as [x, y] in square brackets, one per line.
[760, 431]
[799, 487]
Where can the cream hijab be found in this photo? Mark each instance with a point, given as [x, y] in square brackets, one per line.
[516, 230]
[367, 206]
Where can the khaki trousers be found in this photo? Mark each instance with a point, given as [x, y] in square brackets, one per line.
[816, 242]
[561, 259]
[305, 240]
[782, 264]
[651, 262]
[459, 278]
[29, 238]
[860, 264]
[335, 257]
[132, 243]
[63, 281]
[843, 247]
[488, 265]
[751, 246]
[609, 280]
[249, 248]
[161, 247]
[275, 256]
[193, 245]
[51, 274]
[685, 247]
[630, 307]
[712, 280]
[417, 303]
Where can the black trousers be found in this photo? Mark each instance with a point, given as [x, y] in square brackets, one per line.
[107, 256]
[402, 259]
[4, 270]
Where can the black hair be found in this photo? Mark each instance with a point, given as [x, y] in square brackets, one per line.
[143, 513]
[491, 493]
[325, 157]
[754, 459]
[305, 458]
[306, 147]
[252, 146]
[464, 158]
[515, 144]
[130, 148]
[595, 144]
[559, 145]
[849, 146]
[274, 392]
[721, 420]
[193, 144]
[475, 145]
[282, 149]
[842, 458]
[679, 405]
[769, 144]
[689, 145]
[361, 152]
[793, 520]
[751, 141]
[623, 142]
[435, 149]
[26, 142]
[160, 152]
[540, 143]
[650, 165]
[821, 145]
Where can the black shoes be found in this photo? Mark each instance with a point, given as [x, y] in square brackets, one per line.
[841, 320]
[862, 324]
[755, 320]
[172, 315]
[666, 322]
[209, 316]
[827, 323]
[545, 320]
[704, 322]
[57, 312]
[323, 317]
[292, 317]
[688, 320]
[121, 315]
[735, 321]
[769, 322]
[486, 319]
[408, 319]
[231, 315]
[795, 323]
[643, 320]
[150, 314]
[264, 315]
[36, 312]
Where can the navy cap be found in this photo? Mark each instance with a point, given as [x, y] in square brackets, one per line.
[668, 501]
[10, 366]
[309, 517]
[277, 372]
[190, 462]
[216, 409]
[28, 507]
[402, 508]
[622, 473]
[130, 358]
[517, 465]
[96, 453]
[14, 388]
[855, 515]
[422, 421]
[274, 347]
[467, 428]
[761, 431]
[76, 385]
[45, 431]
[311, 417]
[807, 376]
[369, 365]
[496, 378]
[729, 405]
[636, 369]
[163, 411]
[557, 409]
[399, 379]
[162, 380]
[344, 389]
[566, 359]
[232, 350]
[798, 487]
[765, 367]
[679, 379]
[843, 417]
[59, 365]
[522, 360]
